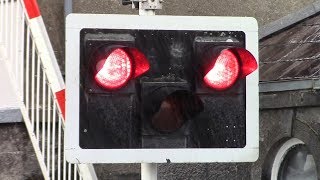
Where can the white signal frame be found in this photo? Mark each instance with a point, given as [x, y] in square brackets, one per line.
[75, 154]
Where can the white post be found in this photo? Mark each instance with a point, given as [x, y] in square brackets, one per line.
[148, 7]
[146, 12]
[149, 171]
[67, 7]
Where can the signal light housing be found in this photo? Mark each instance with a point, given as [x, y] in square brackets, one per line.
[114, 68]
[224, 72]
[230, 65]
[161, 111]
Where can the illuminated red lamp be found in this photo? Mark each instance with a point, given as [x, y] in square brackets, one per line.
[229, 66]
[115, 69]
[141, 62]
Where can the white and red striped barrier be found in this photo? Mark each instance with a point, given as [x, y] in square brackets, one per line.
[38, 85]
[45, 51]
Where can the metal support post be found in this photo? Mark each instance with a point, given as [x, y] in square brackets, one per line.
[146, 8]
[145, 12]
[67, 7]
[149, 171]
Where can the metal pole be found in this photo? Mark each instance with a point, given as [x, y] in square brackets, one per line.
[149, 171]
[67, 7]
[146, 12]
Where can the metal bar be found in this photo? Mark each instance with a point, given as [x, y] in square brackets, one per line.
[75, 172]
[64, 167]
[48, 129]
[6, 22]
[27, 70]
[35, 143]
[1, 20]
[38, 99]
[43, 112]
[69, 171]
[47, 55]
[11, 42]
[59, 148]
[86, 171]
[32, 84]
[53, 139]
[67, 7]
[149, 171]
[16, 49]
[21, 61]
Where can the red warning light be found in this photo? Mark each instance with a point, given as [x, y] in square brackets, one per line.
[224, 72]
[140, 61]
[230, 65]
[113, 70]
[247, 60]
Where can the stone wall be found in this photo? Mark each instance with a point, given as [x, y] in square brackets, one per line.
[17, 158]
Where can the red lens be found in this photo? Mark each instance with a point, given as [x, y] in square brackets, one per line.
[225, 71]
[247, 60]
[113, 70]
[141, 62]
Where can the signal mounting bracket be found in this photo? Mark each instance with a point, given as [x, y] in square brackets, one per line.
[149, 171]
[144, 5]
